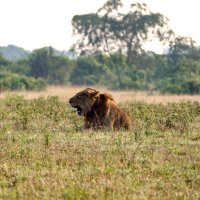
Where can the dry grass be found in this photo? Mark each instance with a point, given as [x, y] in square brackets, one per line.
[65, 92]
[45, 155]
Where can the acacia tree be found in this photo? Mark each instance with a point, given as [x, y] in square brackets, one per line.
[111, 30]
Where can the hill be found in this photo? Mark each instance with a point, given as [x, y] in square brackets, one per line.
[14, 53]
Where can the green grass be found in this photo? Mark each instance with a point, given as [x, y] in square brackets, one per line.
[45, 155]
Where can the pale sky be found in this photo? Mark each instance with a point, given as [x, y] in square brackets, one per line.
[33, 24]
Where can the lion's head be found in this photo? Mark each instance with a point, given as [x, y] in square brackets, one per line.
[84, 100]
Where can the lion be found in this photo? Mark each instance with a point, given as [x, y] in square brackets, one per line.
[99, 110]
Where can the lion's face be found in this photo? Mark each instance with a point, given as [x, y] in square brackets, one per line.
[84, 100]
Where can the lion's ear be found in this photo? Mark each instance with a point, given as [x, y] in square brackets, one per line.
[94, 94]
[107, 96]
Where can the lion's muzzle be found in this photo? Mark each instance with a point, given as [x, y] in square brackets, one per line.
[78, 108]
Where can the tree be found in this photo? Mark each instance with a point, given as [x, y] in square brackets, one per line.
[20, 67]
[39, 62]
[59, 69]
[88, 71]
[109, 30]
[44, 63]
[180, 47]
[3, 61]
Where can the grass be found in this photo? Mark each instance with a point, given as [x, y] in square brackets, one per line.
[45, 155]
[65, 92]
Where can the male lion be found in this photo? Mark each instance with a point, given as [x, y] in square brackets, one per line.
[100, 110]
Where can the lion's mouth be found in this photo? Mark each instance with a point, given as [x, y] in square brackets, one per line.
[78, 109]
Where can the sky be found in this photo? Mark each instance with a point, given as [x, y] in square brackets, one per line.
[33, 24]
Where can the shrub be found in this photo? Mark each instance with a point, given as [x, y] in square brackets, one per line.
[12, 81]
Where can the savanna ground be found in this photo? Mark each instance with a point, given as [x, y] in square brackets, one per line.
[44, 153]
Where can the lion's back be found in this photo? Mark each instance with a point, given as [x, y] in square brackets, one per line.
[120, 118]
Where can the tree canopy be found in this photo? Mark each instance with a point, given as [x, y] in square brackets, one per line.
[110, 30]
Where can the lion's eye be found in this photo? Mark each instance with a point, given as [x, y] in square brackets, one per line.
[82, 95]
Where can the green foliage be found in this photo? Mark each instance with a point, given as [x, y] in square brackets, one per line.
[111, 45]
[175, 73]
[179, 117]
[112, 48]
[60, 69]
[181, 76]
[109, 30]
[44, 155]
[20, 67]
[39, 62]
[45, 64]
[88, 71]
[12, 81]
[3, 61]
[111, 71]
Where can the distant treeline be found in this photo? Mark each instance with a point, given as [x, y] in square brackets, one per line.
[175, 72]
[109, 51]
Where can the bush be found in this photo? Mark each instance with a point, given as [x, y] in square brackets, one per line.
[110, 71]
[88, 71]
[179, 85]
[12, 81]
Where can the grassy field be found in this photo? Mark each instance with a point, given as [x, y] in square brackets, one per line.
[45, 154]
[65, 92]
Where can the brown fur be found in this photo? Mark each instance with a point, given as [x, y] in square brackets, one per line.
[100, 110]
